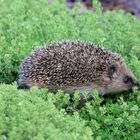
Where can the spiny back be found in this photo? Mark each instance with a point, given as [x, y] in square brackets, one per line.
[67, 63]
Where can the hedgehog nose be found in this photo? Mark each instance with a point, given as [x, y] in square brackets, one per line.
[134, 84]
[137, 84]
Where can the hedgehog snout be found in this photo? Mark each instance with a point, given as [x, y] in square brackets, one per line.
[136, 83]
[131, 83]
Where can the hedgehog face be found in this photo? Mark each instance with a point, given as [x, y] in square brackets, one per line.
[119, 79]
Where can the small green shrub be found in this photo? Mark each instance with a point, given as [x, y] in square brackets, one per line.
[118, 120]
[38, 114]
[27, 115]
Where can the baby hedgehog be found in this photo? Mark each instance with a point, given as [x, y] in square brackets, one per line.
[75, 65]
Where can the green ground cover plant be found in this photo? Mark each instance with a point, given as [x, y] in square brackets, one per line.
[38, 114]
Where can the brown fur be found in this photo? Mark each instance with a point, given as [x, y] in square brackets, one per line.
[75, 65]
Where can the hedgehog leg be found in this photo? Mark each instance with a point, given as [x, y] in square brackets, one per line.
[81, 104]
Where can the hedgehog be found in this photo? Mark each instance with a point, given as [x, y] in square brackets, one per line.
[76, 65]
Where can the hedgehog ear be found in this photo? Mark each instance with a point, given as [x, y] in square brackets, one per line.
[112, 70]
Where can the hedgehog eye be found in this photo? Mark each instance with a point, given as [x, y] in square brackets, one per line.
[126, 79]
